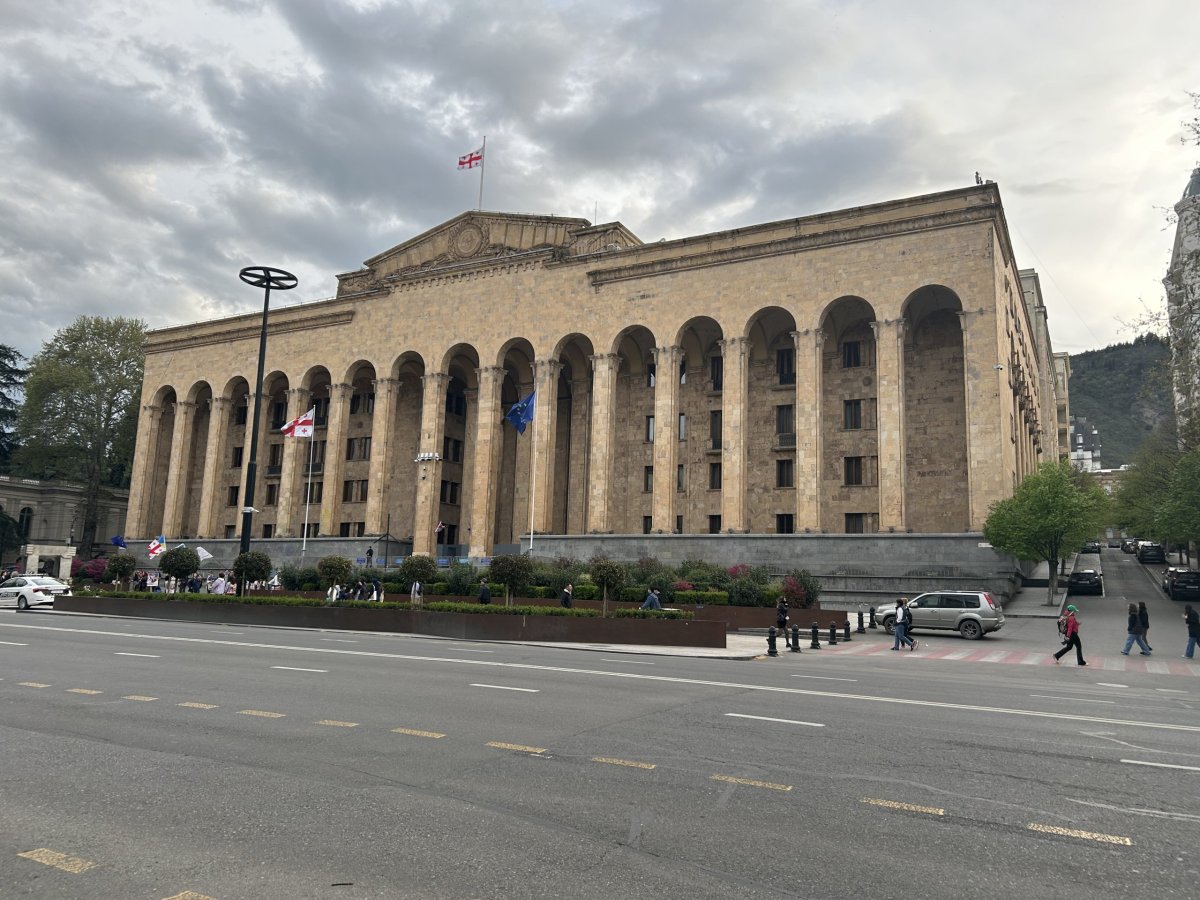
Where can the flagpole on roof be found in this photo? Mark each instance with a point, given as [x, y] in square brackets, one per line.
[482, 166]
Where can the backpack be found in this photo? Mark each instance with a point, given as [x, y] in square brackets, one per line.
[1062, 625]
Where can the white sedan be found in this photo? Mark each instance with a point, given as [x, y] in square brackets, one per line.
[24, 591]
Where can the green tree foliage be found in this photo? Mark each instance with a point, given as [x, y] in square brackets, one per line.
[608, 575]
[1052, 512]
[253, 565]
[179, 562]
[514, 572]
[11, 537]
[801, 588]
[1177, 518]
[12, 376]
[461, 579]
[334, 570]
[1145, 486]
[79, 418]
[417, 568]
[120, 568]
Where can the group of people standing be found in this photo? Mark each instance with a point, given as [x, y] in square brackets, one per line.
[363, 589]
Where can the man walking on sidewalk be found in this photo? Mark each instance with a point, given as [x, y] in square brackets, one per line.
[1071, 637]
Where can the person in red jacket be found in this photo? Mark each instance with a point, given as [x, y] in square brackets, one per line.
[1071, 638]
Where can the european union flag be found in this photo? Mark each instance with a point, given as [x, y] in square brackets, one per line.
[521, 413]
[119, 541]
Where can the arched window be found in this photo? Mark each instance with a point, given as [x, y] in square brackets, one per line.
[25, 521]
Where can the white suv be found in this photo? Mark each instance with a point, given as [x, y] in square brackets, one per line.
[971, 613]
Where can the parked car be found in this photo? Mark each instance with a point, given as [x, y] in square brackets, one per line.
[1168, 576]
[1114, 543]
[1149, 551]
[25, 591]
[1185, 585]
[1129, 545]
[971, 613]
[1085, 581]
[1090, 547]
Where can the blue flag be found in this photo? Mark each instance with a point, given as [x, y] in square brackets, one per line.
[521, 413]
[119, 541]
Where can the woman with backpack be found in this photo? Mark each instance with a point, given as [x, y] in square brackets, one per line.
[1069, 627]
[1135, 632]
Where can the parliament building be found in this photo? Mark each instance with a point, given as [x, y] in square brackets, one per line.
[885, 368]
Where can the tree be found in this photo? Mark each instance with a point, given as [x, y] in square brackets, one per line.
[253, 565]
[1177, 518]
[801, 588]
[12, 376]
[514, 571]
[11, 536]
[179, 563]
[79, 418]
[333, 570]
[1053, 511]
[417, 568]
[120, 568]
[609, 575]
[1146, 485]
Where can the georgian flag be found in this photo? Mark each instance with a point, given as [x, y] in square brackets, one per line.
[471, 160]
[301, 426]
[203, 554]
[440, 528]
[157, 546]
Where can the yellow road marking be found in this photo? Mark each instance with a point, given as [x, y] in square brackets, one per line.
[188, 895]
[907, 807]
[623, 762]
[1085, 835]
[32, 684]
[82, 691]
[139, 697]
[750, 782]
[58, 860]
[191, 705]
[262, 714]
[417, 732]
[500, 745]
[338, 724]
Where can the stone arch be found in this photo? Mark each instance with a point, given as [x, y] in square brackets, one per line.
[699, 423]
[195, 457]
[399, 488]
[935, 412]
[460, 409]
[770, 420]
[573, 423]
[353, 490]
[158, 472]
[630, 501]
[512, 475]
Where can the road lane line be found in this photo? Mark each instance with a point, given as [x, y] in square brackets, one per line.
[1110, 684]
[825, 678]
[1072, 699]
[1136, 811]
[192, 705]
[417, 732]
[750, 782]
[72, 864]
[340, 640]
[501, 687]
[262, 714]
[628, 662]
[1139, 762]
[336, 724]
[87, 691]
[1170, 691]
[13, 644]
[470, 650]
[32, 684]
[500, 745]
[141, 697]
[1083, 835]
[189, 895]
[295, 669]
[632, 764]
[906, 807]
[770, 719]
[664, 679]
[146, 655]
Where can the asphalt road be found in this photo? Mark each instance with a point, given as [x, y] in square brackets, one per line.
[152, 759]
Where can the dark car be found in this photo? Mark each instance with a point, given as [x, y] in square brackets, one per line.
[1091, 547]
[1169, 574]
[1149, 551]
[1185, 586]
[1085, 581]
[1129, 545]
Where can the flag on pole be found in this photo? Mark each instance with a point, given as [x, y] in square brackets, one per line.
[439, 529]
[118, 540]
[203, 554]
[521, 413]
[157, 547]
[471, 160]
[301, 426]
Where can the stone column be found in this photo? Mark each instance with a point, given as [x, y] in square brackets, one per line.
[429, 468]
[666, 437]
[386, 390]
[545, 433]
[335, 457]
[810, 344]
[138, 517]
[177, 468]
[295, 461]
[216, 458]
[889, 377]
[482, 519]
[985, 392]
[734, 409]
[577, 475]
[604, 391]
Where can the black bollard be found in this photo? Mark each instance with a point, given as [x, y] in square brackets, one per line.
[860, 629]
[846, 631]
[832, 635]
[873, 624]
[795, 638]
[816, 643]
[771, 651]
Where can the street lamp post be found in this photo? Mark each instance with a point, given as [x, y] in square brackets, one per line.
[266, 278]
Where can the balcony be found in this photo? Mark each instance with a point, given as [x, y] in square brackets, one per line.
[314, 468]
[785, 439]
[787, 377]
[274, 470]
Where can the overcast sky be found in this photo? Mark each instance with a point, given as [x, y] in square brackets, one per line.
[149, 149]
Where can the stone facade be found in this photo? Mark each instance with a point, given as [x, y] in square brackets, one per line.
[50, 514]
[872, 369]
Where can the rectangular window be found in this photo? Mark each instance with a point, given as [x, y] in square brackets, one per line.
[318, 453]
[714, 476]
[651, 370]
[714, 524]
[321, 412]
[358, 448]
[648, 478]
[268, 530]
[683, 371]
[362, 403]
[680, 478]
[716, 372]
[647, 524]
[714, 429]
[240, 415]
[230, 531]
[785, 365]
[449, 535]
[355, 491]
[852, 358]
[855, 523]
[650, 429]
[314, 491]
[785, 419]
[682, 427]
[278, 415]
[783, 473]
[445, 490]
[237, 457]
[853, 470]
[232, 499]
[679, 524]
[275, 455]
[272, 494]
[344, 530]
[455, 488]
[312, 529]
[452, 450]
[785, 523]
[851, 414]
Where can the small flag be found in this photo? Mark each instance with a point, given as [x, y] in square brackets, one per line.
[203, 554]
[440, 528]
[118, 540]
[301, 426]
[471, 160]
[521, 413]
[157, 546]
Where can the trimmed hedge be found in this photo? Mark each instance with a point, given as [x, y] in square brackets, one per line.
[502, 610]
[653, 614]
[707, 598]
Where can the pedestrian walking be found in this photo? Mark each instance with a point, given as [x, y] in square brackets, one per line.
[1135, 632]
[485, 592]
[414, 595]
[781, 621]
[1193, 627]
[565, 597]
[1144, 618]
[377, 589]
[1070, 632]
[902, 623]
[333, 594]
